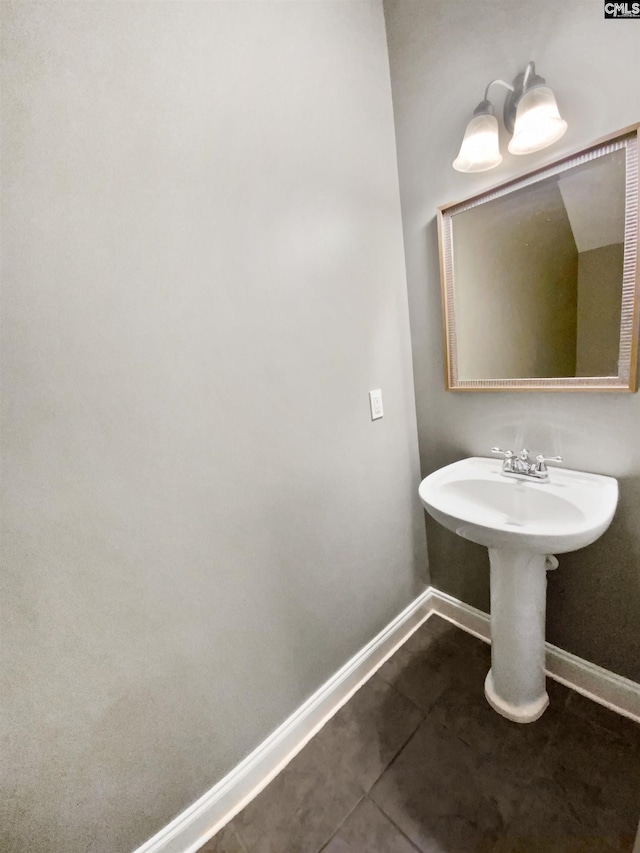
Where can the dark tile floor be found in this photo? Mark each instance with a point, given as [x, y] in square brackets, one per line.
[418, 761]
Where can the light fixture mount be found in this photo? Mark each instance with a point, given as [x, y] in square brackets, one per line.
[525, 81]
[485, 107]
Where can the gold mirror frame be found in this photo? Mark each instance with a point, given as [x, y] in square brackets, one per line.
[626, 380]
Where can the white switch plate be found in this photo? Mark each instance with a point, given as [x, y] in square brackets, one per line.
[375, 401]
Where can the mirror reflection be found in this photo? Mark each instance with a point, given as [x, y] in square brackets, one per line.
[538, 277]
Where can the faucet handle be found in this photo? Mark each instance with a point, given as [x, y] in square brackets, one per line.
[541, 460]
[508, 454]
[507, 462]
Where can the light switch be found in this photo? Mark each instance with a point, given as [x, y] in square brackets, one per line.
[375, 401]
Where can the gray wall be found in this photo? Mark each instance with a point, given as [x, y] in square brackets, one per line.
[442, 55]
[599, 307]
[204, 276]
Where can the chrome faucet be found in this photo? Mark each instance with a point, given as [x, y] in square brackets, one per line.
[521, 464]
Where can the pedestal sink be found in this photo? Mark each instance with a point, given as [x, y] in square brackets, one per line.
[523, 523]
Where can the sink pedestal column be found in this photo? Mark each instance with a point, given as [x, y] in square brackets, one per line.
[515, 684]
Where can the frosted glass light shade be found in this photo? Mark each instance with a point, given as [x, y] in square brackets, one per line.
[479, 150]
[538, 122]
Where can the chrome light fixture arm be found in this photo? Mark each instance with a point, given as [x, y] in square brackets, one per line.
[501, 83]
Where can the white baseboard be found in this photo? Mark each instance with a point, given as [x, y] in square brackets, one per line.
[202, 820]
[620, 694]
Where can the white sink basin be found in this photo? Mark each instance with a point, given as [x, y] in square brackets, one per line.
[473, 499]
[522, 523]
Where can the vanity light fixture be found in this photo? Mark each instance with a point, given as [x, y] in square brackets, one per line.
[530, 114]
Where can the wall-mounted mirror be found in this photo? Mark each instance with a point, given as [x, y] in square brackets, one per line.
[540, 277]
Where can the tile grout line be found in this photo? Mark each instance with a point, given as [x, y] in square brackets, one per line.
[408, 699]
[365, 795]
[393, 823]
[400, 749]
[342, 823]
